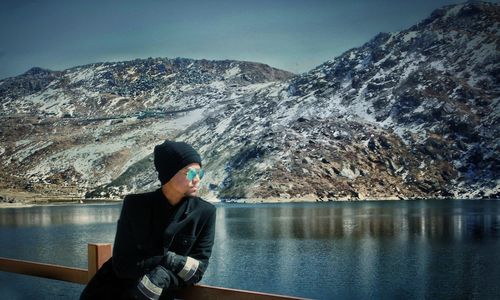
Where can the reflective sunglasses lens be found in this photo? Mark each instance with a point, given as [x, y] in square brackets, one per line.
[191, 174]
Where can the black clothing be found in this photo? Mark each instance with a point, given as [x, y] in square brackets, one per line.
[149, 227]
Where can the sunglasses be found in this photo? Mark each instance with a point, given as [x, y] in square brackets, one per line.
[191, 174]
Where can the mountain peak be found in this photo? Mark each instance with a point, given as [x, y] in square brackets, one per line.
[460, 15]
[410, 114]
[37, 71]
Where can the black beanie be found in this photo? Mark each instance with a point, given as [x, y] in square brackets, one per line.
[170, 157]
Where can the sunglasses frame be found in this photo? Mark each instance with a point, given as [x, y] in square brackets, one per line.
[192, 173]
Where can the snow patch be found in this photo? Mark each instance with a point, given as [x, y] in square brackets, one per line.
[101, 68]
[437, 65]
[232, 72]
[188, 119]
[114, 101]
[218, 85]
[256, 87]
[346, 81]
[452, 12]
[21, 143]
[84, 158]
[409, 36]
[419, 109]
[364, 63]
[151, 101]
[81, 75]
[222, 126]
[418, 131]
[30, 150]
[412, 67]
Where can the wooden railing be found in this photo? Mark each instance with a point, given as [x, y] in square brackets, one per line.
[98, 254]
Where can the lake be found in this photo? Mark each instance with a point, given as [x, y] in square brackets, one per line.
[426, 249]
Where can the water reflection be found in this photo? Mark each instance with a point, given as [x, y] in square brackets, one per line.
[362, 250]
[422, 249]
[476, 219]
[59, 215]
[377, 220]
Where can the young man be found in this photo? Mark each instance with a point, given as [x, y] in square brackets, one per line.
[164, 238]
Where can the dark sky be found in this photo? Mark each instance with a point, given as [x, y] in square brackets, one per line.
[293, 35]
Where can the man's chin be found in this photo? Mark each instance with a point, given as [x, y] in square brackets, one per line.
[192, 192]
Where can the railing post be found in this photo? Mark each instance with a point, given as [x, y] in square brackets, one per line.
[98, 254]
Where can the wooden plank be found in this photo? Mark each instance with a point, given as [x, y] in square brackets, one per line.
[57, 272]
[98, 254]
[215, 293]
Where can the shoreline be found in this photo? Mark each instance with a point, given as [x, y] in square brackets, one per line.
[287, 201]
[10, 198]
[56, 203]
[22, 199]
[256, 201]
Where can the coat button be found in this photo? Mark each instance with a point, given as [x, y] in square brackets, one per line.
[184, 242]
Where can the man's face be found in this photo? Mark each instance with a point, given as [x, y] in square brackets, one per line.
[182, 184]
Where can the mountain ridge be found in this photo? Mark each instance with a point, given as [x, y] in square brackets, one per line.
[411, 114]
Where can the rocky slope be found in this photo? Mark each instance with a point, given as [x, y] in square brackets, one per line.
[411, 114]
[75, 130]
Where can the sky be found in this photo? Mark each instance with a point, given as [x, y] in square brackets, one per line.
[294, 35]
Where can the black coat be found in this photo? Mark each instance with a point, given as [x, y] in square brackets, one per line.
[148, 227]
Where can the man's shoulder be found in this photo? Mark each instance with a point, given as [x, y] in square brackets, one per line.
[140, 199]
[202, 204]
[145, 195]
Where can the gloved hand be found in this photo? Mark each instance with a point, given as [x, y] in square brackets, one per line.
[189, 269]
[151, 285]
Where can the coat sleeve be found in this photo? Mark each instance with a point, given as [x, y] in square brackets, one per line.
[202, 250]
[128, 259]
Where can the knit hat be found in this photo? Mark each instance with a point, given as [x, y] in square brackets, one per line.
[170, 157]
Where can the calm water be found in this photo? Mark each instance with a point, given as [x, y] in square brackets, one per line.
[349, 250]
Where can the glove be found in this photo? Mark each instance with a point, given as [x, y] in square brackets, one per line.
[151, 285]
[189, 269]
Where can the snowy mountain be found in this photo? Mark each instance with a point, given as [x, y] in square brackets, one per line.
[111, 89]
[75, 130]
[410, 114]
